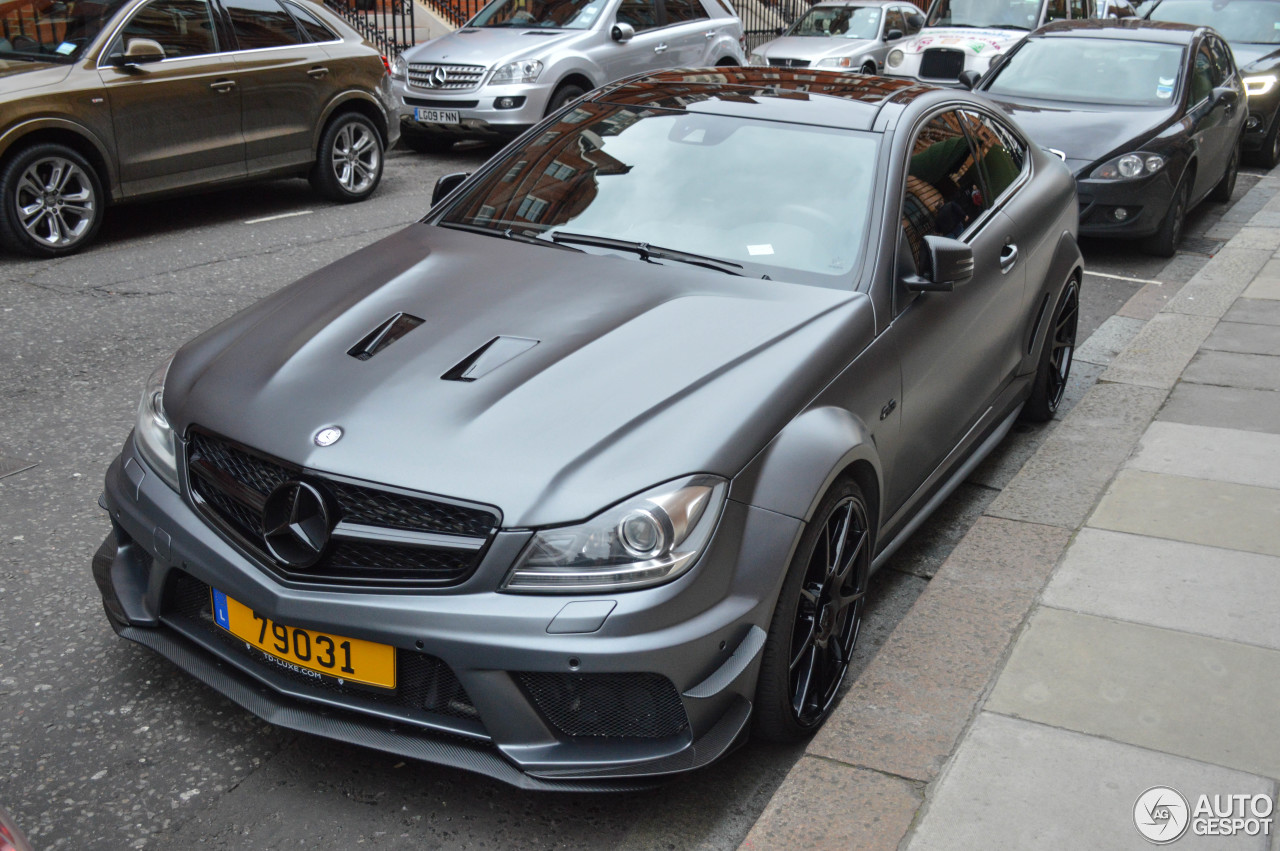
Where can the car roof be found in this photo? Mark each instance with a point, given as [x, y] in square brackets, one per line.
[1122, 29]
[881, 3]
[802, 96]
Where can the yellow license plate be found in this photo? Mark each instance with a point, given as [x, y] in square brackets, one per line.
[349, 659]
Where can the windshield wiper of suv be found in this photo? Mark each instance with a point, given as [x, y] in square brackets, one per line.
[648, 252]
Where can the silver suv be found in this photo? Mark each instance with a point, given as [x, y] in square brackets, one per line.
[519, 60]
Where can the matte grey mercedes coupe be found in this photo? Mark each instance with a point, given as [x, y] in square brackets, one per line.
[581, 478]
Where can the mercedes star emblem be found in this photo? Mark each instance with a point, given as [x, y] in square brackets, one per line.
[328, 436]
[438, 77]
[296, 524]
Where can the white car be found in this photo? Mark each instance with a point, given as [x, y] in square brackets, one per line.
[843, 34]
[970, 35]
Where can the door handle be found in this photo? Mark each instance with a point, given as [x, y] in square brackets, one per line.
[318, 72]
[661, 48]
[1008, 256]
[709, 34]
[222, 86]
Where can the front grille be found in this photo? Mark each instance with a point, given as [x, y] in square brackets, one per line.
[456, 78]
[230, 483]
[940, 63]
[644, 706]
[789, 63]
[425, 685]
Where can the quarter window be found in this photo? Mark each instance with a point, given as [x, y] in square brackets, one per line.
[182, 27]
[262, 23]
[943, 192]
[312, 26]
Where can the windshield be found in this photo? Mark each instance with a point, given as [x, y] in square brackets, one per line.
[51, 30]
[554, 14]
[995, 14]
[784, 200]
[1091, 70]
[860, 22]
[1248, 21]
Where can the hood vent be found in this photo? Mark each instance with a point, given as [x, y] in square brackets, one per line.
[489, 357]
[384, 335]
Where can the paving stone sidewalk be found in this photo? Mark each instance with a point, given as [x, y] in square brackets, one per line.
[1111, 624]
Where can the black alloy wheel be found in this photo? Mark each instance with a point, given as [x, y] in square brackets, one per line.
[869, 68]
[1268, 154]
[1055, 359]
[817, 620]
[1221, 193]
[1164, 242]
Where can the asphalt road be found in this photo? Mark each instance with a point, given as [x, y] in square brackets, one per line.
[105, 745]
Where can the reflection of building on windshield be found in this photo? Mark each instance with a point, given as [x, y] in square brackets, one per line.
[557, 179]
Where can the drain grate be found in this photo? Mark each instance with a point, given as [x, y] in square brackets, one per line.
[1200, 245]
[9, 466]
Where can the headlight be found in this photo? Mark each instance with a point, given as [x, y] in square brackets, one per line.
[895, 58]
[517, 72]
[1128, 167]
[646, 540]
[400, 69]
[756, 59]
[152, 434]
[834, 62]
[1259, 85]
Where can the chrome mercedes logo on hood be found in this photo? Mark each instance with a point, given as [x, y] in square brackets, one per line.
[296, 524]
[327, 436]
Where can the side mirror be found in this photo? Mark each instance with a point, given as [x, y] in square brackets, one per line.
[1227, 95]
[447, 184]
[139, 51]
[951, 262]
[622, 33]
[893, 35]
[969, 79]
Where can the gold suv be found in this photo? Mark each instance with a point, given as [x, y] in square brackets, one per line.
[104, 101]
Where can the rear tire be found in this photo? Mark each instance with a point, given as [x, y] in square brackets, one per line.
[349, 164]
[1164, 242]
[1055, 357]
[51, 201]
[817, 618]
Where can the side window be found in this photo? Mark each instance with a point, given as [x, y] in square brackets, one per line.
[311, 25]
[1001, 154]
[1080, 9]
[680, 11]
[1055, 11]
[1201, 75]
[183, 28]
[641, 14]
[1223, 66]
[915, 21]
[262, 23]
[894, 20]
[943, 194]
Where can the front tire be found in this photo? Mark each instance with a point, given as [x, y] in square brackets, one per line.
[1269, 153]
[1055, 358]
[817, 619]
[51, 201]
[869, 68]
[563, 95]
[349, 165]
[1164, 242]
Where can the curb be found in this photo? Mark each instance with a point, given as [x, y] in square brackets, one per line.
[863, 781]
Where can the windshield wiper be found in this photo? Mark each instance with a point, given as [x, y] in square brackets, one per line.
[507, 233]
[1004, 27]
[648, 252]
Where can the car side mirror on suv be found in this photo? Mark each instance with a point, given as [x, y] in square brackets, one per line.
[1225, 94]
[893, 35]
[446, 184]
[139, 51]
[950, 264]
[622, 33]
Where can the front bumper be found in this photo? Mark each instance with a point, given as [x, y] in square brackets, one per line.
[1145, 202]
[486, 672]
[479, 112]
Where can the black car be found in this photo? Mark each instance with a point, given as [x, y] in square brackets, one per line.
[1147, 115]
[582, 477]
[1252, 29]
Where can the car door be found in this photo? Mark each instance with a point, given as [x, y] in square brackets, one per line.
[645, 50]
[688, 31]
[960, 347]
[285, 81]
[1210, 118]
[176, 122]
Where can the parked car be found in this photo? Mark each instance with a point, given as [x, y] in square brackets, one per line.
[849, 34]
[520, 60]
[1148, 117]
[972, 35]
[1252, 29]
[584, 474]
[106, 101]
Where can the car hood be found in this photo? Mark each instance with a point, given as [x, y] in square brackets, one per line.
[489, 46]
[1083, 133]
[20, 76]
[641, 373]
[813, 48]
[978, 42]
[1255, 57]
